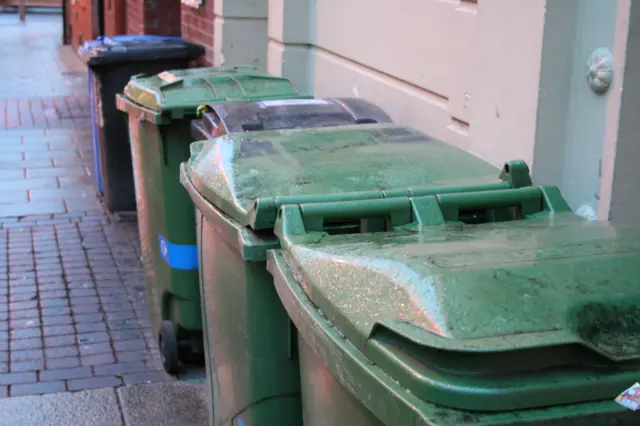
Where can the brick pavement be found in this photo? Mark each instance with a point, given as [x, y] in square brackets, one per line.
[72, 310]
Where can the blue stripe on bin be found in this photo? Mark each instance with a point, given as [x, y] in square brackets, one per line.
[178, 256]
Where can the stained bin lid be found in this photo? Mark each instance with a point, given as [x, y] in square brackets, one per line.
[248, 175]
[187, 89]
[491, 317]
[114, 49]
[279, 114]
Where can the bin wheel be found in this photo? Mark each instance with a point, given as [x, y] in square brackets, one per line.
[168, 342]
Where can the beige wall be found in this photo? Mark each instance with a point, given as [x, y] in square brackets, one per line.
[240, 33]
[502, 79]
[463, 72]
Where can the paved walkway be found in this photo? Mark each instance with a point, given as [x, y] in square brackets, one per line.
[72, 309]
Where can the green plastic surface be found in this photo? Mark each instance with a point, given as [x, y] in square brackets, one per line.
[340, 385]
[158, 109]
[250, 355]
[178, 93]
[249, 175]
[502, 316]
[164, 209]
[249, 342]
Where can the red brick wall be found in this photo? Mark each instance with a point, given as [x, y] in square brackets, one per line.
[115, 17]
[156, 17]
[135, 15]
[197, 27]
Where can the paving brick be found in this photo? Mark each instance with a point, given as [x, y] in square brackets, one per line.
[71, 182]
[21, 344]
[94, 382]
[32, 207]
[95, 348]
[101, 359]
[57, 320]
[25, 323]
[52, 303]
[52, 294]
[118, 335]
[26, 355]
[63, 340]
[83, 292]
[11, 197]
[24, 305]
[33, 365]
[37, 388]
[53, 155]
[146, 377]
[120, 299]
[62, 362]
[91, 338]
[91, 327]
[4, 367]
[120, 368]
[61, 351]
[24, 184]
[15, 378]
[16, 315]
[57, 330]
[25, 333]
[129, 345]
[10, 174]
[55, 311]
[66, 374]
[131, 356]
[88, 318]
[69, 171]
[86, 309]
[19, 297]
[4, 391]
[84, 300]
[124, 324]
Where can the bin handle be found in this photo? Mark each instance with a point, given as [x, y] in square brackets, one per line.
[391, 213]
[368, 215]
[125, 105]
[530, 200]
[516, 173]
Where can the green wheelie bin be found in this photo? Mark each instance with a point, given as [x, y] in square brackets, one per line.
[160, 109]
[237, 183]
[524, 315]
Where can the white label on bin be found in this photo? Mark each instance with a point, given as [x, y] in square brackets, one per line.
[630, 398]
[289, 102]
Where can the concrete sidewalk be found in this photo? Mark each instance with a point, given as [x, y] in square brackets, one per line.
[75, 341]
[159, 404]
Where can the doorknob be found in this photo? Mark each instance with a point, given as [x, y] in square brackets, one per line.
[600, 70]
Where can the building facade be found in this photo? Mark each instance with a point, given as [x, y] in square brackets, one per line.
[538, 80]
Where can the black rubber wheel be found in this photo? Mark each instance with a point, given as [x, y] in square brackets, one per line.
[168, 342]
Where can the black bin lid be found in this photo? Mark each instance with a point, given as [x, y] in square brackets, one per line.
[283, 114]
[116, 49]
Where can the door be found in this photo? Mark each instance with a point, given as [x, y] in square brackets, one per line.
[572, 117]
[83, 25]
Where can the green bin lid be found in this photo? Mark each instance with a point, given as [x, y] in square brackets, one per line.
[187, 89]
[248, 175]
[492, 317]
